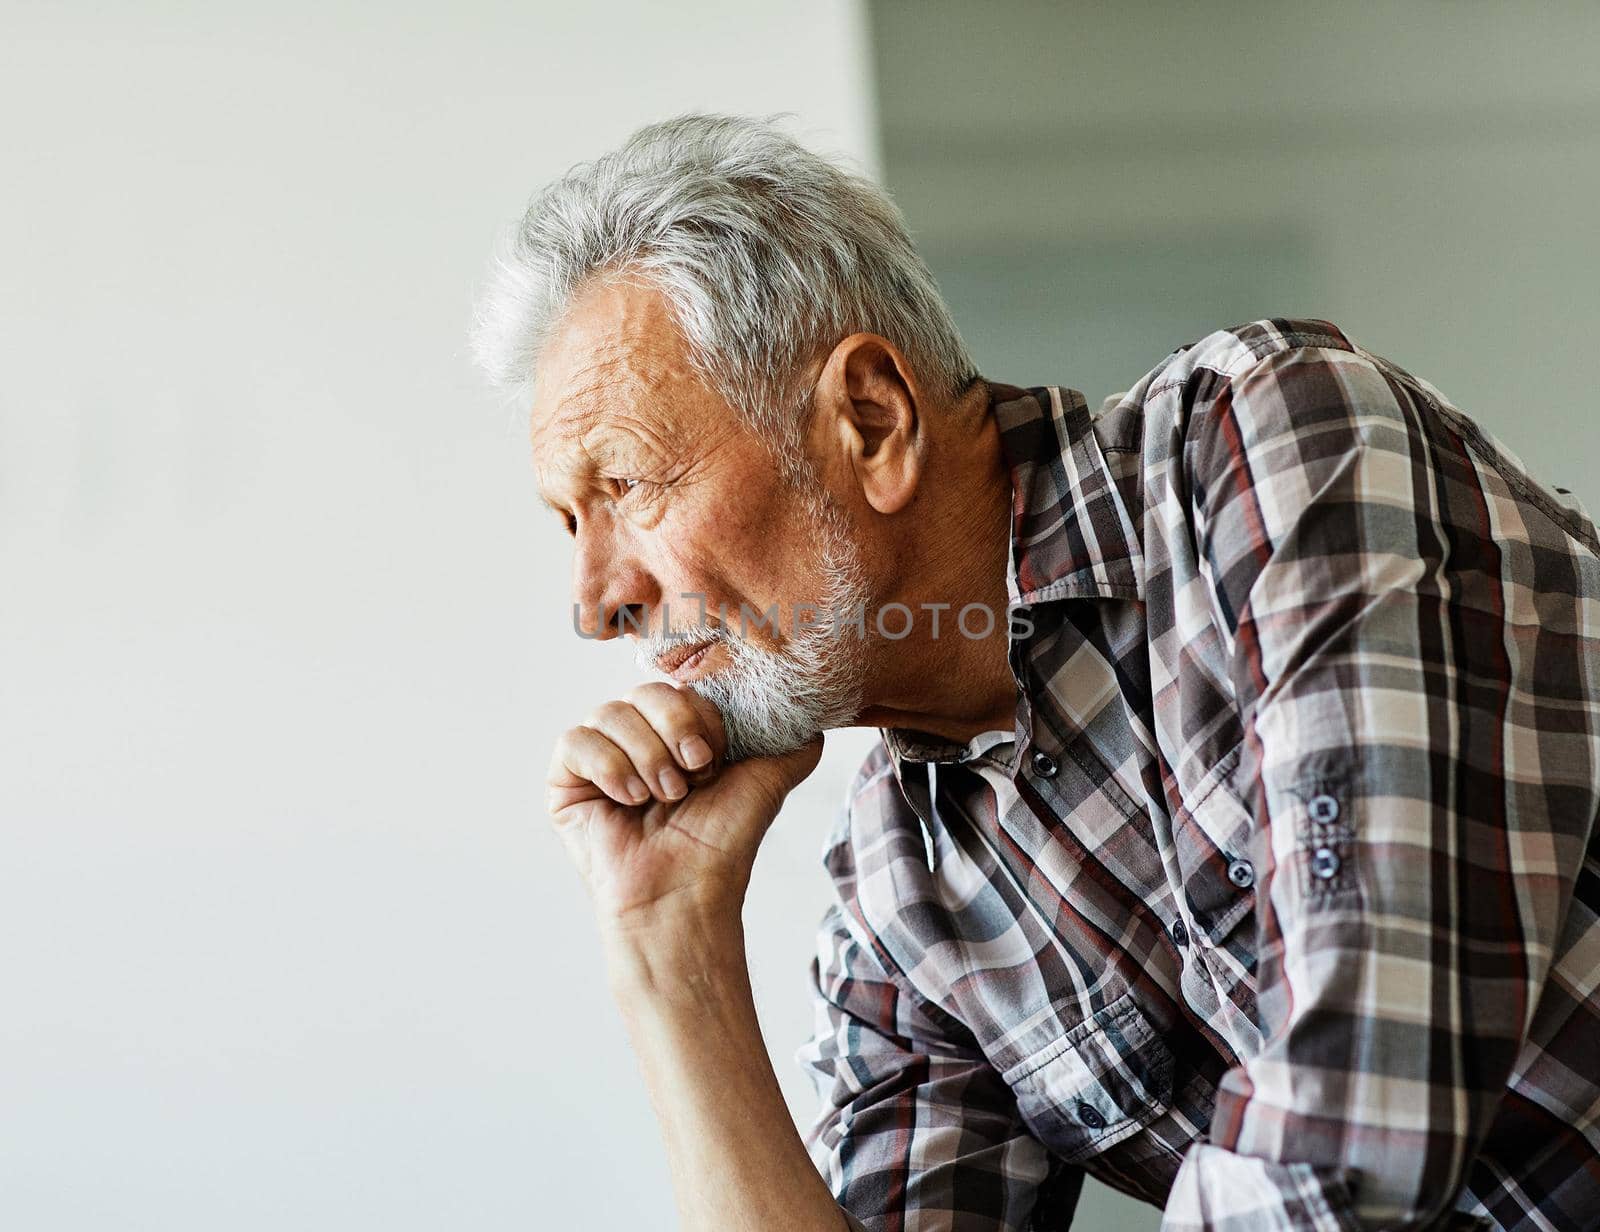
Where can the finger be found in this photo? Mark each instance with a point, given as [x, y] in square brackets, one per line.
[628, 729]
[689, 725]
[760, 785]
[717, 732]
[584, 755]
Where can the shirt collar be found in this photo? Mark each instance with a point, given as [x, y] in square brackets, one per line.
[1072, 535]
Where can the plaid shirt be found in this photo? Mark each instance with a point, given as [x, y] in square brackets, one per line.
[1278, 908]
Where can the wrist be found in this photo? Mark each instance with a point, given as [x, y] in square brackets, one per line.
[685, 953]
[707, 907]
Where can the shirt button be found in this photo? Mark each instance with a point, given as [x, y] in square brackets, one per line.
[1044, 765]
[1180, 934]
[1325, 862]
[1090, 1116]
[1324, 808]
[1241, 874]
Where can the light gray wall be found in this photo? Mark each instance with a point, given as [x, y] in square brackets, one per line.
[1096, 184]
[285, 940]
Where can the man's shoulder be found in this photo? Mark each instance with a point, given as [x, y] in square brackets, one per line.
[1205, 365]
[1262, 370]
[1234, 348]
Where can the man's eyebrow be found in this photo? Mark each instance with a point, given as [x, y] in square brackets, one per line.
[597, 449]
[556, 468]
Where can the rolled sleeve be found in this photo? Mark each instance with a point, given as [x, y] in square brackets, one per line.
[915, 1129]
[1383, 644]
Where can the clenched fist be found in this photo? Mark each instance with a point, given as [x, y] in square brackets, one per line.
[653, 816]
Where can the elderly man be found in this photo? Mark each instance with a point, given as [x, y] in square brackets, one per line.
[1231, 837]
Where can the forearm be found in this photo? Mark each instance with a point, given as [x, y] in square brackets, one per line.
[736, 1158]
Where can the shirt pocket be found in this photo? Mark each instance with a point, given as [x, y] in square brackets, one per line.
[1097, 1085]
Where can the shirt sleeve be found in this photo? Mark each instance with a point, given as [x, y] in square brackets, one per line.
[1402, 770]
[915, 1130]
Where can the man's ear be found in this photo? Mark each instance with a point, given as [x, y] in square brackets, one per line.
[868, 413]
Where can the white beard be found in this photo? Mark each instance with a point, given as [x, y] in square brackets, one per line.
[774, 701]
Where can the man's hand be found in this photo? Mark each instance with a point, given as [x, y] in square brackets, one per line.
[665, 834]
[652, 815]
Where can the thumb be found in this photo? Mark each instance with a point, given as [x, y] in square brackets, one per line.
[780, 775]
[798, 765]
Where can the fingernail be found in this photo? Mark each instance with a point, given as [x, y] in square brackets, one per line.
[672, 784]
[696, 752]
[637, 791]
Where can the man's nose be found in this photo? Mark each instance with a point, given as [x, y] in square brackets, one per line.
[613, 592]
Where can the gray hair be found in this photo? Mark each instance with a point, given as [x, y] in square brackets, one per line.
[768, 253]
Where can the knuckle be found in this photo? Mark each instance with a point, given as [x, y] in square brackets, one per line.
[608, 712]
[614, 762]
[711, 719]
[667, 709]
[584, 752]
[654, 759]
[652, 693]
[691, 703]
[566, 746]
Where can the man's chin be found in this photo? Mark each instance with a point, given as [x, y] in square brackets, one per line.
[769, 735]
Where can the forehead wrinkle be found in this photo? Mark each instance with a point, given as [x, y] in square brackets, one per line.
[594, 416]
[572, 459]
[605, 421]
[591, 385]
[596, 389]
[568, 427]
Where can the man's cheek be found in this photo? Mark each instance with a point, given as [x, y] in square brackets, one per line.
[691, 583]
[704, 542]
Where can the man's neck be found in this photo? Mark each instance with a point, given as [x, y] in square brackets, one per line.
[951, 677]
